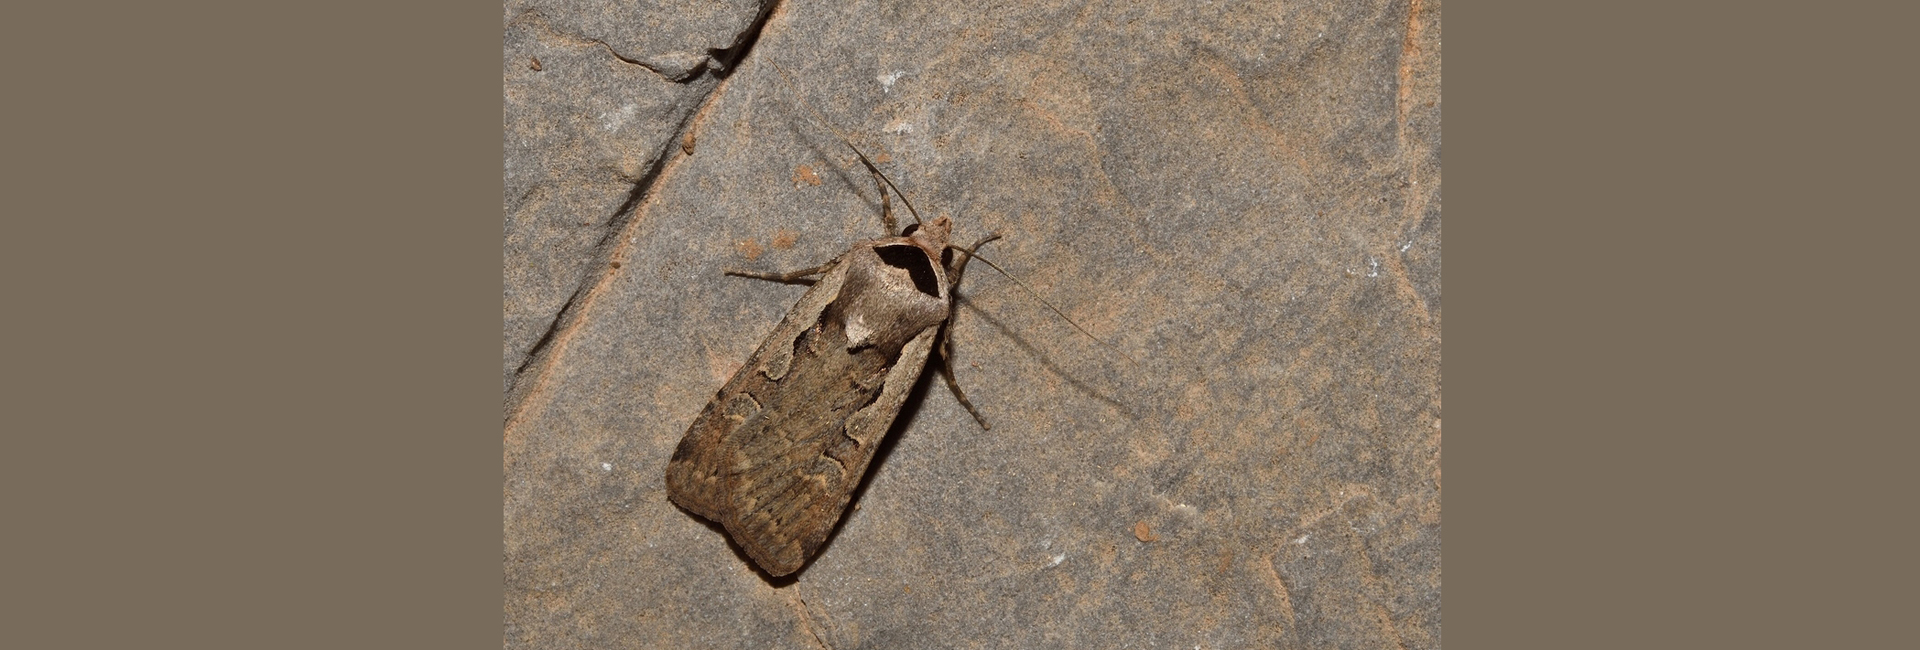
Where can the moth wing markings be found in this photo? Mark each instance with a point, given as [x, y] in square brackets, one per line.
[697, 474]
[775, 355]
[782, 518]
[870, 424]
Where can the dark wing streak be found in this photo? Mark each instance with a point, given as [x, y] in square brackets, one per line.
[878, 416]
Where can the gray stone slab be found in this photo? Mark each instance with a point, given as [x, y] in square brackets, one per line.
[1245, 198]
[593, 96]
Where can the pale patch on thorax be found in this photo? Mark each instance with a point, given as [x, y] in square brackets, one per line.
[858, 333]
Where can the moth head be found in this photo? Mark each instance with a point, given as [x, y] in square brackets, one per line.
[932, 235]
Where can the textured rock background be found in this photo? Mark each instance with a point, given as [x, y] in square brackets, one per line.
[1243, 197]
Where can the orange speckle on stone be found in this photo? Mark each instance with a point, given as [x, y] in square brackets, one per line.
[784, 239]
[1143, 533]
[750, 249]
[804, 174]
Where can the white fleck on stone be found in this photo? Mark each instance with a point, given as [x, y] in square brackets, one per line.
[1057, 559]
[618, 118]
[1303, 539]
[606, 467]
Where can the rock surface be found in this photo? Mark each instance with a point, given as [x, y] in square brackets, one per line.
[1243, 198]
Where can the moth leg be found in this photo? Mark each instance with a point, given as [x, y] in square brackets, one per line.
[945, 345]
[961, 268]
[886, 204]
[946, 372]
[794, 277]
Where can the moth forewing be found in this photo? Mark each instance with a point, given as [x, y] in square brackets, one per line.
[776, 455]
[693, 477]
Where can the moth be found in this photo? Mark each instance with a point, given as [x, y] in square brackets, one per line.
[775, 457]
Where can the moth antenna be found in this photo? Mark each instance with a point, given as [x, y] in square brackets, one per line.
[883, 176]
[1043, 301]
[788, 82]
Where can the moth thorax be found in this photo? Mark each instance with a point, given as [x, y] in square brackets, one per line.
[934, 235]
[892, 292]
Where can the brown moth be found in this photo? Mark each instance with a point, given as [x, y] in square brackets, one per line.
[776, 455]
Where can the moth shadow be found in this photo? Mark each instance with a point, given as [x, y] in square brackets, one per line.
[908, 409]
[741, 553]
[1045, 359]
[855, 184]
